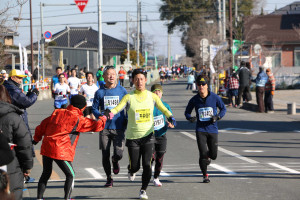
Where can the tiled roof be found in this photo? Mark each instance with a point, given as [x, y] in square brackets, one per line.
[293, 8]
[273, 29]
[85, 37]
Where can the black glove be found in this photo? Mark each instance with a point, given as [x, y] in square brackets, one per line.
[193, 119]
[172, 120]
[106, 113]
[34, 142]
[36, 91]
[214, 118]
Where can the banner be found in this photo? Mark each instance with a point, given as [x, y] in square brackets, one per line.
[213, 51]
[115, 61]
[21, 57]
[146, 58]
[25, 59]
[236, 45]
[171, 61]
[156, 63]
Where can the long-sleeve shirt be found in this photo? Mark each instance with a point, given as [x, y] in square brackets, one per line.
[270, 85]
[140, 106]
[205, 109]
[160, 121]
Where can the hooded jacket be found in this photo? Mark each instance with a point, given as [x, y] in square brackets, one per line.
[16, 132]
[61, 132]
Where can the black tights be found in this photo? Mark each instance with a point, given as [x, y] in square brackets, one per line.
[65, 166]
[138, 148]
[208, 148]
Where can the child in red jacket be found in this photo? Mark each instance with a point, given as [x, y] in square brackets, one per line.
[61, 133]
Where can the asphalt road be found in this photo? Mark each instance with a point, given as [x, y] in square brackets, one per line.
[258, 158]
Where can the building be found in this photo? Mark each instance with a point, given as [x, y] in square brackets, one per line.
[79, 46]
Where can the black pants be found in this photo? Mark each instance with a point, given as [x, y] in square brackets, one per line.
[244, 91]
[260, 98]
[268, 101]
[208, 148]
[106, 137]
[121, 82]
[137, 149]
[65, 166]
[158, 155]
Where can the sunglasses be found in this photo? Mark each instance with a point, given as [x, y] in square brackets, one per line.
[139, 71]
[202, 84]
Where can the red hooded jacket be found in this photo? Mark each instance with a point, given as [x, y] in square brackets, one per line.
[61, 132]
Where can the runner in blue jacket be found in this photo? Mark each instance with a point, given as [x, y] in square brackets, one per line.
[161, 125]
[205, 104]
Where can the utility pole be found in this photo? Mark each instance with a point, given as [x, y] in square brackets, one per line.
[100, 46]
[31, 38]
[128, 45]
[42, 40]
[169, 50]
[230, 29]
[138, 35]
[141, 33]
[236, 13]
[224, 20]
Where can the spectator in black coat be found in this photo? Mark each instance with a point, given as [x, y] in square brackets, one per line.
[17, 133]
[244, 76]
[6, 155]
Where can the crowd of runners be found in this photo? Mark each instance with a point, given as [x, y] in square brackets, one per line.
[138, 120]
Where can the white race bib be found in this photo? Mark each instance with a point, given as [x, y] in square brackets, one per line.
[205, 114]
[159, 122]
[110, 102]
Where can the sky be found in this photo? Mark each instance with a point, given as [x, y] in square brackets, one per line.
[56, 18]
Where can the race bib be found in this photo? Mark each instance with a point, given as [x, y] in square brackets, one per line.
[142, 115]
[205, 114]
[159, 122]
[110, 102]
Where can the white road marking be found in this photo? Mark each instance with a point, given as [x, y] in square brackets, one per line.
[241, 131]
[224, 150]
[162, 173]
[218, 167]
[284, 168]
[94, 173]
[253, 151]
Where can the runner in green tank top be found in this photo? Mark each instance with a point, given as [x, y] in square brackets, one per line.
[139, 135]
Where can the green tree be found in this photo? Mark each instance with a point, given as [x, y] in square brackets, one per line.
[133, 57]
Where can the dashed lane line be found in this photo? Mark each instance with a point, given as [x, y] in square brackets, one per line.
[284, 168]
[225, 150]
[218, 167]
[94, 173]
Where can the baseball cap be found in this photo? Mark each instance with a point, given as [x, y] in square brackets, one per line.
[156, 87]
[201, 80]
[3, 71]
[16, 72]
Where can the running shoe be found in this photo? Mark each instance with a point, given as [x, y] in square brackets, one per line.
[116, 166]
[206, 179]
[29, 180]
[157, 183]
[109, 183]
[131, 176]
[143, 194]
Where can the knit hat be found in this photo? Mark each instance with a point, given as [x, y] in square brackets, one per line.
[156, 87]
[78, 101]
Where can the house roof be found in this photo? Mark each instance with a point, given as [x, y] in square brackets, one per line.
[4, 31]
[293, 8]
[85, 37]
[273, 29]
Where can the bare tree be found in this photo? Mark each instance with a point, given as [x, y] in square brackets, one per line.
[5, 24]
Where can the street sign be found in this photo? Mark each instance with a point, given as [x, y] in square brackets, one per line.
[81, 4]
[48, 35]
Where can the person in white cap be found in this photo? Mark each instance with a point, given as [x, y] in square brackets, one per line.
[4, 74]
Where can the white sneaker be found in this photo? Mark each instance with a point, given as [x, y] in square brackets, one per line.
[131, 177]
[143, 194]
[157, 183]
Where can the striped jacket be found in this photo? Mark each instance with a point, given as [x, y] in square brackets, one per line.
[270, 85]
